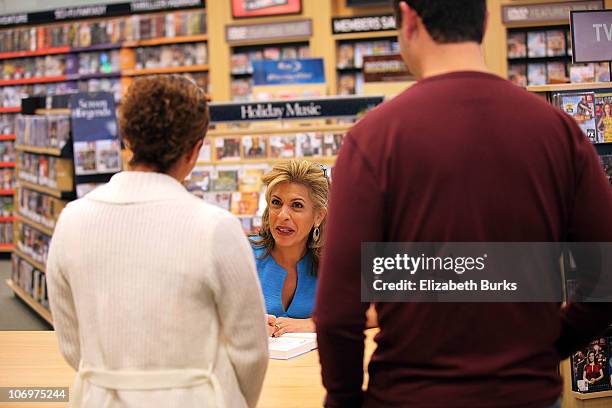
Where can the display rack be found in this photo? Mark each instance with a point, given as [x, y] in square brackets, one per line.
[36, 200]
[243, 56]
[567, 96]
[241, 149]
[538, 44]
[100, 54]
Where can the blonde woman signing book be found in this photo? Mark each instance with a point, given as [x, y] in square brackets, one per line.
[152, 290]
[288, 246]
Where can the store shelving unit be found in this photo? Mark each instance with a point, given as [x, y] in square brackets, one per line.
[28, 280]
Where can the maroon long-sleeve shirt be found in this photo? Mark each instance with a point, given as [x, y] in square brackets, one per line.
[467, 157]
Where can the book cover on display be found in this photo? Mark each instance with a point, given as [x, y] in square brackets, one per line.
[536, 74]
[205, 154]
[590, 367]
[85, 157]
[198, 181]
[556, 72]
[603, 117]
[309, 144]
[332, 143]
[606, 164]
[345, 55]
[536, 44]
[228, 148]
[602, 71]
[218, 199]
[555, 43]
[282, 146]
[580, 73]
[244, 203]
[226, 180]
[581, 106]
[250, 181]
[254, 147]
[517, 45]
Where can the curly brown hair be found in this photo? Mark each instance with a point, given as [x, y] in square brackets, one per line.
[162, 118]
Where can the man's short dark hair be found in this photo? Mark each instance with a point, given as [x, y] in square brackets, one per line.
[449, 21]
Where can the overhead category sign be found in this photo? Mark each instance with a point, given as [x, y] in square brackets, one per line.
[101, 10]
[268, 31]
[546, 13]
[284, 72]
[591, 35]
[363, 24]
[293, 109]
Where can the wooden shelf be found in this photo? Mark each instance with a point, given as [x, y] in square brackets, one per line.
[7, 164]
[278, 131]
[319, 159]
[36, 53]
[7, 192]
[8, 137]
[53, 151]
[37, 307]
[39, 80]
[170, 70]
[166, 40]
[34, 224]
[31, 261]
[569, 87]
[11, 109]
[366, 35]
[591, 395]
[44, 189]
[52, 111]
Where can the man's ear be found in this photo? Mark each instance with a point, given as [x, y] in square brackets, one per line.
[410, 19]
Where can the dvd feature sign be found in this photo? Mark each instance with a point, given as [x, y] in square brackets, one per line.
[285, 72]
[385, 68]
[94, 131]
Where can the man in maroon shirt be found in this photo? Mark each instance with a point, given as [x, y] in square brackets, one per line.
[461, 156]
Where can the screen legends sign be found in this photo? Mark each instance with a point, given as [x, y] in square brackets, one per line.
[591, 35]
[292, 110]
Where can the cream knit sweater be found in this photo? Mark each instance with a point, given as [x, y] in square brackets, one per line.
[144, 276]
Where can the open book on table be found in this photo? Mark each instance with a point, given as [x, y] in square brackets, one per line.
[290, 345]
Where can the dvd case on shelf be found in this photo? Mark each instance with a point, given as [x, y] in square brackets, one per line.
[282, 146]
[555, 43]
[39, 207]
[590, 367]
[517, 45]
[536, 74]
[227, 148]
[33, 243]
[603, 117]
[254, 147]
[606, 164]
[580, 106]
[536, 44]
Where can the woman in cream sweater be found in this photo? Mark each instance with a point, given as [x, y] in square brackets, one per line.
[154, 293]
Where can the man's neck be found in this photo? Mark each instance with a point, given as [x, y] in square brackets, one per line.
[446, 58]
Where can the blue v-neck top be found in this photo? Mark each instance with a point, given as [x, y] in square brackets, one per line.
[272, 277]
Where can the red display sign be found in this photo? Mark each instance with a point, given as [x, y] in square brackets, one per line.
[262, 8]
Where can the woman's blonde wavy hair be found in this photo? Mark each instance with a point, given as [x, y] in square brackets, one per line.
[312, 176]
